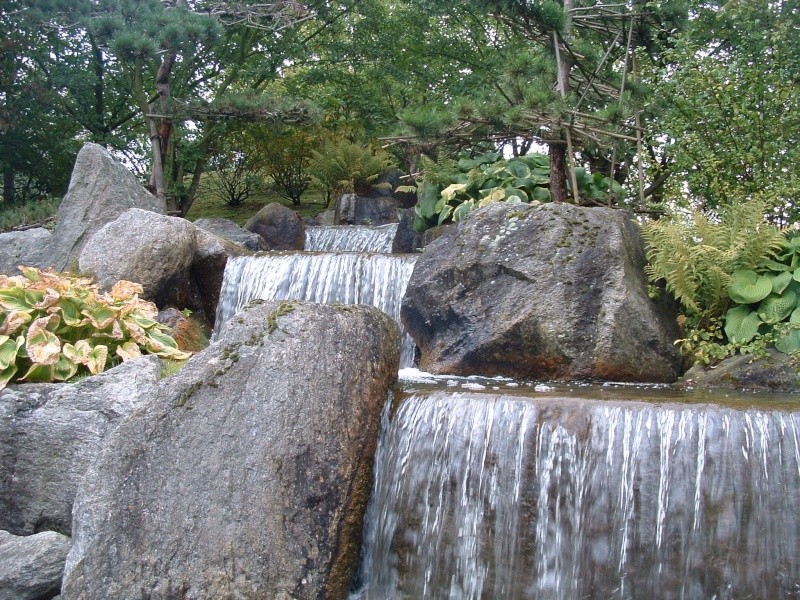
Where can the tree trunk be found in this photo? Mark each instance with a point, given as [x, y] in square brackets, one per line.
[9, 191]
[558, 171]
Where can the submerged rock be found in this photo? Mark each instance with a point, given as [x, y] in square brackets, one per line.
[249, 475]
[545, 292]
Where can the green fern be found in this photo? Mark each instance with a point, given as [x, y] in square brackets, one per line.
[695, 257]
[342, 167]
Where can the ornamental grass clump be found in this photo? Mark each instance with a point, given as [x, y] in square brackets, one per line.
[54, 326]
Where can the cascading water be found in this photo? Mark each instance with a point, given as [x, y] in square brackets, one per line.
[485, 496]
[351, 238]
[347, 278]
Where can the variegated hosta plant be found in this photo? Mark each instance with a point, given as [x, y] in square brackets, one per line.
[55, 325]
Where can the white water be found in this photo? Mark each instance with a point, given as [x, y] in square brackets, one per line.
[483, 496]
[351, 238]
[345, 278]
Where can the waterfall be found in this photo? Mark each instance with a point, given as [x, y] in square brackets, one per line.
[485, 496]
[347, 278]
[351, 238]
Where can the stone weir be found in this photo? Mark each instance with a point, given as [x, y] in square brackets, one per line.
[490, 496]
[377, 280]
[351, 238]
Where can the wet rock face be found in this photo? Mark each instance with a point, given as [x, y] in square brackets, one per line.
[548, 292]
[248, 475]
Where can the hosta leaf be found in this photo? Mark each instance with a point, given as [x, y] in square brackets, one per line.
[97, 359]
[79, 353]
[43, 373]
[7, 375]
[541, 194]
[70, 313]
[463, 209]
[789, 342]
[43, 347]
[15, 299]
[100, 316]
[451, 191]
[443, 216]
[14, 320]
[8, 351]
[518, 169]
[775, 308]
[125, 290]
[741, 324]
[747, 287]
[780, 281]
[773, 265]
[495, 195]
[128, 350]
[64, 369]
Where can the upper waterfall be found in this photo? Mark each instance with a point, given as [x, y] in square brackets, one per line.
[347, 278]
[351, 238]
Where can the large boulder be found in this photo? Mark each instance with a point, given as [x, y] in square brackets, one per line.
[279, 227]
[50, 433]
[31, 567]
[357, 210]
[100, 190]
[27, 247]
[147, 248]
[230, 231]
[249, 474]
[554, 291]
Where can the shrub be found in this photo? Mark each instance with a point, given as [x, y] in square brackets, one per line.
[55, 326]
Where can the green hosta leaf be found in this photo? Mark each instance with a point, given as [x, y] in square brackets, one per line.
[100, 316]
[775, 308]
[541, 194]
[789, 342]
[9, 348]
[70, 313]
[518, 169]
[64, 369]
[79, 353]
[7, 375]
[516, 196]
[780, 281]
[773, 265]
[794, 318]
[463, 209]
[163, 345]
[128, 350]
[747, 287]
[15, 299]
[796, 275]
[13, 321]
[44, 373]
[445, 214]
[741, 324]
[428, 198]
[495, 195]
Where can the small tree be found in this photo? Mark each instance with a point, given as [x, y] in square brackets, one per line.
[284, 159]
[235, 177]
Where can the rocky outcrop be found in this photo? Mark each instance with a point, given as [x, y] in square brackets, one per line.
[230, 231]
[547, 292]
[775, 372]
[100, 190]
[357, 210]
[26, 247]
[279, 227]
[50, 433]
[151, 249]
[248, 475]
[211, 254]
[31, 566]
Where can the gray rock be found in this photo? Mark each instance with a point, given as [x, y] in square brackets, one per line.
[31, 567]
[211, 254]
[406, 240]
[356, 210]
[100, 190]
[145, 247]
[26, 247]
[230, 231]
[49, 433]
[249, 475]
[279, 227]
[776, 372]
[547, 292]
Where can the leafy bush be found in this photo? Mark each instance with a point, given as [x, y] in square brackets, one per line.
[55, 326]
[451, 189]
[342, 167]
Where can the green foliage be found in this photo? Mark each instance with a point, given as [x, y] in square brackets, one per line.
[33, 212]
[284, 158]
[341, 167]
[696, 257]
[55, 326]
[451, 189]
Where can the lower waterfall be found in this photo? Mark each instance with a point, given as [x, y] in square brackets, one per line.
[486, 496]
[351, 238]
